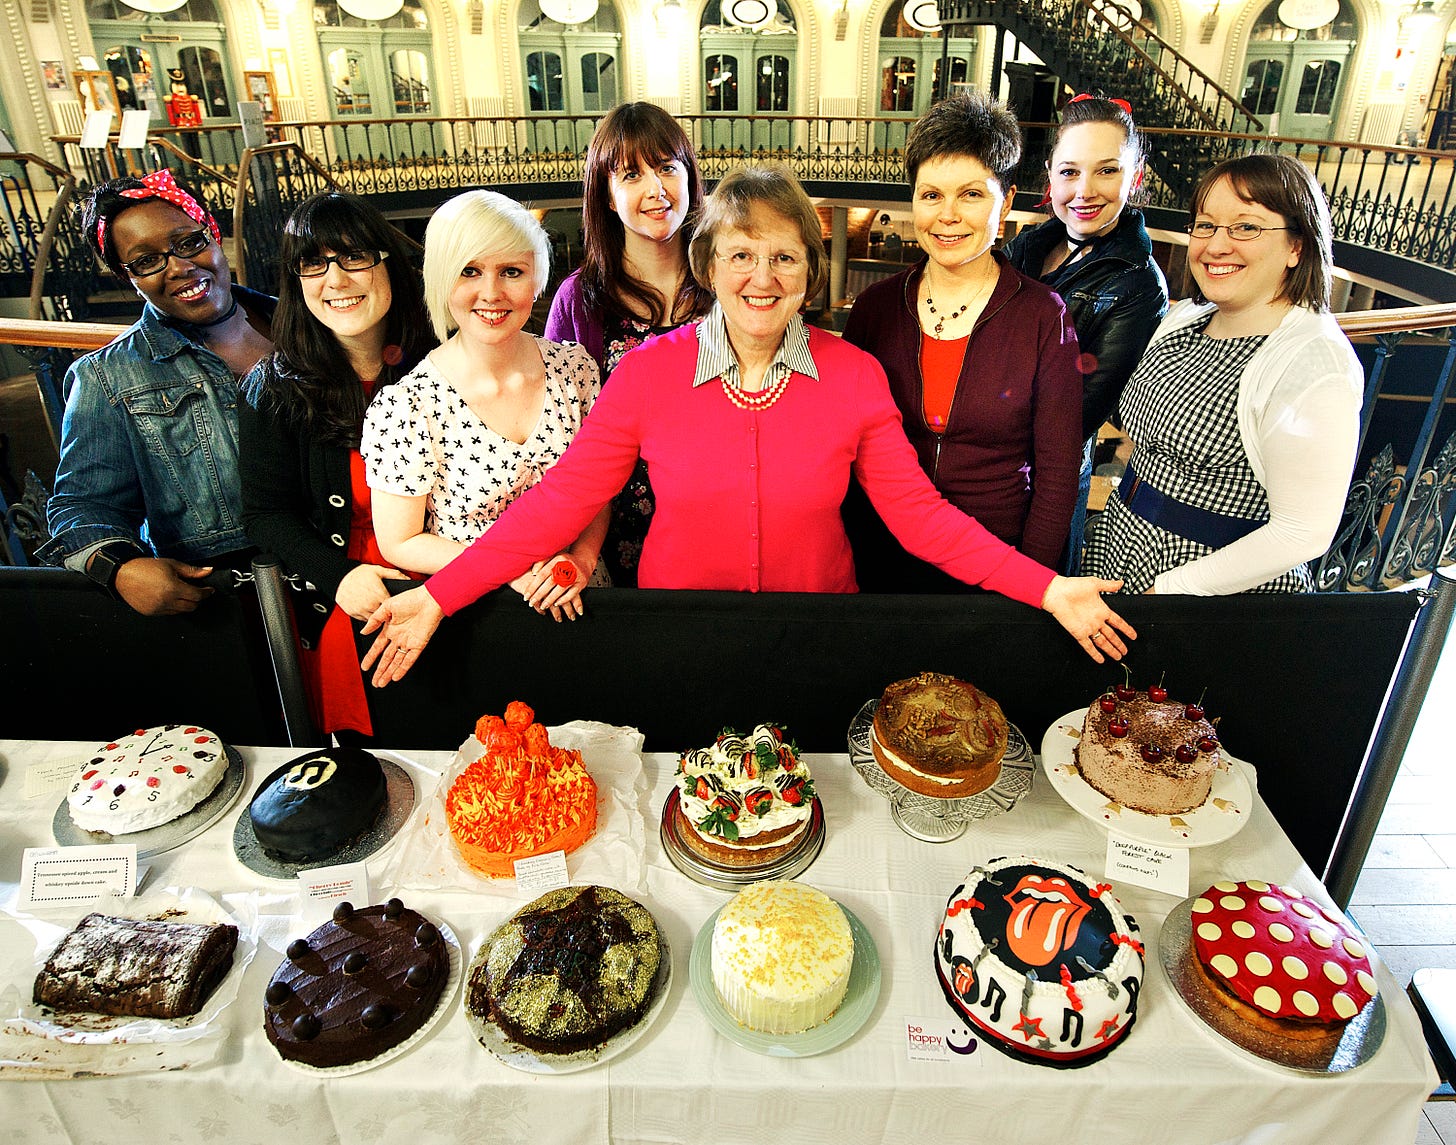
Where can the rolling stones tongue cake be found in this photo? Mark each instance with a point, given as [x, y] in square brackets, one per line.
[1042, 963]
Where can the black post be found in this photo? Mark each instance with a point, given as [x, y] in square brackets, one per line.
[283, 649]
[1392, 735]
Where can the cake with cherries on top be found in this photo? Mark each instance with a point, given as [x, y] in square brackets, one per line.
[1147, 752]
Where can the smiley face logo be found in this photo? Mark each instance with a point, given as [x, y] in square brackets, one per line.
[960, 1041]
[310, 774]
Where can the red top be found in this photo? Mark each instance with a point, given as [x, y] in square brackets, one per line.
[940, 368]
[745, 501]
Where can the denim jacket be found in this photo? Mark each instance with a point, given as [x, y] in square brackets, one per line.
[149, 447]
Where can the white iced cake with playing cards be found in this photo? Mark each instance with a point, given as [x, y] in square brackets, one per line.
[146, 779]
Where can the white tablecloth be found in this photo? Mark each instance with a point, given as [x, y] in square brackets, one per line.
[1172, 1081]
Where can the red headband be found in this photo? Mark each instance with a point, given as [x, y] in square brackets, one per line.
[1122, 103]
[161, 185]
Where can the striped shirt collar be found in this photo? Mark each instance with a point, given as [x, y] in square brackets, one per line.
[716, 360]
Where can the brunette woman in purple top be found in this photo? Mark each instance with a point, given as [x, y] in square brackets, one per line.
[641, 184]
[981, 359]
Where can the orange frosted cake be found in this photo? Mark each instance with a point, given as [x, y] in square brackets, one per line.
[523, 797]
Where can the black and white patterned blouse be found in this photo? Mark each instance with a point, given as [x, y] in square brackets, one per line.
[1180, 410]
[422, 440]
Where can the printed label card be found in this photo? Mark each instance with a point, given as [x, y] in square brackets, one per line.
[941, 1040]
[1142, 864]
[323, 888]
[541, 873]
[62, 876]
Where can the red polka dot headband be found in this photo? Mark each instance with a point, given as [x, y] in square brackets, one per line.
[161, 185]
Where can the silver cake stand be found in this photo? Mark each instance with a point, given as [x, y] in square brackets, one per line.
[927, 817]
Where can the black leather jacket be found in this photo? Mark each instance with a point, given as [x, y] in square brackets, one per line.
[1116, 297]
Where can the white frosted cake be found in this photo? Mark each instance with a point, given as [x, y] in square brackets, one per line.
[781, 957]
[146, 779]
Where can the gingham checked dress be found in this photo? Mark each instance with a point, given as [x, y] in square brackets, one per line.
[1180, 410]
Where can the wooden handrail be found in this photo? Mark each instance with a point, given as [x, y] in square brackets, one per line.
[240, 198]
[1401, 320]
[67, 335]
[47, 244]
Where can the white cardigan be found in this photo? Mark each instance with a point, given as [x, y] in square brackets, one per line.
[1299, 421]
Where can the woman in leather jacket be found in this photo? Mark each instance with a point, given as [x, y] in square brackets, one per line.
[1095, 252]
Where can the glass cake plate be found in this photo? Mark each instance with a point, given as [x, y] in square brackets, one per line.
[932, 819]
[517, 1056]
[724, 878]
[164, 836]
[1221, 817]
[1363, 1035]
[442, 1008]
[399, 802]
[843, 1024]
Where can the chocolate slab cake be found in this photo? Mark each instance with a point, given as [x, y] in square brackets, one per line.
[137, 967]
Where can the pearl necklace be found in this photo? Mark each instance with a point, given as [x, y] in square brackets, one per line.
[942, 319]
[759, 400]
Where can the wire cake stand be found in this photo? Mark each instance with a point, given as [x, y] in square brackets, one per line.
[927, 817]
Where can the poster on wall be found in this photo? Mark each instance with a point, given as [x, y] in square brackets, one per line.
[55, 74]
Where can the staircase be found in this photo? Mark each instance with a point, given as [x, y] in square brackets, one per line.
[1096, 46]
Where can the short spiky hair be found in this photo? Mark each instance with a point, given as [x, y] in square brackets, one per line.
[467, 227]
[967, 123]
[1285, 186]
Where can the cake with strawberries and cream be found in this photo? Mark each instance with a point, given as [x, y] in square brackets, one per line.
[1276, 972]
[781, 957]
[745, 801]
[939, 736]
[1041, 961]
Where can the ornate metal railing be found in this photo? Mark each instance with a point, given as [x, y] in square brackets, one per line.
[43, 257]
[1098, 46]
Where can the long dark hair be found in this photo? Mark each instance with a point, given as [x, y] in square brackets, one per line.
[311, 375]
[633, 133]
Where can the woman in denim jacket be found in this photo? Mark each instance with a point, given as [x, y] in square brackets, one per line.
[147, 493]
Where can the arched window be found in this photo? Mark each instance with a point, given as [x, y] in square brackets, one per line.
[570, 69]
[376, 68]
[1293, 77]
[911, 63]
[172, 63]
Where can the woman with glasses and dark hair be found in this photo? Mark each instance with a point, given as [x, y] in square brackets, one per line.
[1244, 411]
[982, 360]
[146, 496]
[750, 423]
[350, 322]
[484, 415]
[640, 186]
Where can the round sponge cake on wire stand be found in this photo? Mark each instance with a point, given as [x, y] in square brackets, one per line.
[939, 819]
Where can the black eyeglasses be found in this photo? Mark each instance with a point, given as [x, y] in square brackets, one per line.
[314, 265]
[190, 245]
[1239, 232]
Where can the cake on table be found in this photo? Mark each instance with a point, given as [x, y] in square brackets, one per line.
[317, 804]
[939, 736]
[1040, 961]
[569, 970]
[745, 801]
[146, 779]
[523, 797]
[781, 957]
[143, 968]
[357, 986]
[1276, 972]
[1147, 752]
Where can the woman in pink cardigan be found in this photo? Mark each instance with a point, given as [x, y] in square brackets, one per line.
[750, 424]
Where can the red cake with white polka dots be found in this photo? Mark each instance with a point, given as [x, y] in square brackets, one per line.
[1291, 972]
[146, 779]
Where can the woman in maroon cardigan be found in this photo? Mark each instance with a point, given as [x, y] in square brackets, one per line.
[982, 360]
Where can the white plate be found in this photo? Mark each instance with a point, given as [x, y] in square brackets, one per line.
[843, 1024]
[442, 1007]
[1221, 817]
[517, 1056]
[164, 836]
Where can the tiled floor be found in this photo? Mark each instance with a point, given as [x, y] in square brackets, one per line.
[1406, 897]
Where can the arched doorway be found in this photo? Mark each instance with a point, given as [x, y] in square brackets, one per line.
[1294, 78]
[154, 55]
[748, 51]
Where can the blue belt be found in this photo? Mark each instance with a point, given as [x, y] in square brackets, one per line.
[1202, 525]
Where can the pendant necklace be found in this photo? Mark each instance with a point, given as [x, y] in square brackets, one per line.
[942, 319]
